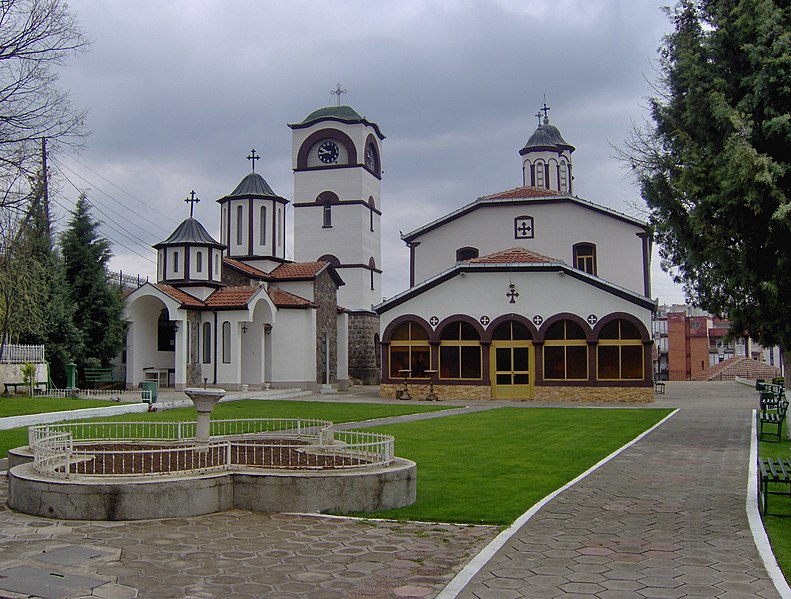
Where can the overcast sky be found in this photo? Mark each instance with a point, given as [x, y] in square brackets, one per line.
[178, 93]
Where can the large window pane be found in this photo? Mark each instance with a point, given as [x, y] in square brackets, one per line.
[421, 360]
[399, 360]
[471, 362]
[632, 362]
[577, 362]
[521, 355]
[608, 358]
[449, 362]
[554, 362]
[503, 359]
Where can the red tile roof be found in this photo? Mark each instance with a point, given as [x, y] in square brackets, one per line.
[298, 270]
[284, 299]
[180, 296]
[231, 297]
[513, 256]
[247, 269]
[524, 192]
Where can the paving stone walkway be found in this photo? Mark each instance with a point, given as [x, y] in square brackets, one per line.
[665, 518]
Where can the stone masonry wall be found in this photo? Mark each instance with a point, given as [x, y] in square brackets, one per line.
[557, 394]
[325, 296]
[364, 347]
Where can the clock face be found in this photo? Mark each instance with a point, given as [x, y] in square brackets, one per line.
[370, 160]
[328, 152]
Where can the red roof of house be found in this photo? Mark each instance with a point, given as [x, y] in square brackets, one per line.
[284, 299]
[231, 297]
[247, 269]
[180, 296]
[513, 256]
[298, 270]
[524, 192]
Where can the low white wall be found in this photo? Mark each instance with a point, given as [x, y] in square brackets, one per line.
[12, 373]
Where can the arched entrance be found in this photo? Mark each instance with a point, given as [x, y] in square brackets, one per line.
[512, 361]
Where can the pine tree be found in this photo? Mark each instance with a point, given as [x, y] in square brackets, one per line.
[97, 304]
[715, 165]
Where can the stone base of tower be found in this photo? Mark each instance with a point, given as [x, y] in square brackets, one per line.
[364, 348]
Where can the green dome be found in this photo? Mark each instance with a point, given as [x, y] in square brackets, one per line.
[342, 114]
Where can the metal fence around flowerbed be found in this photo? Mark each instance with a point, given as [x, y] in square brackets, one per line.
[159, 448]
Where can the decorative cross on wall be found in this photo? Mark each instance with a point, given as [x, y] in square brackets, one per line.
[537, 320]
[512, 293]
[485, 320]
[433, 321]
[252, 158]
[192, 200]
[523, 227]
[337, 92]
[592, 319]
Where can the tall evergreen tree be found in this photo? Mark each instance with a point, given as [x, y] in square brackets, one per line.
[714, 166]
[97, 304]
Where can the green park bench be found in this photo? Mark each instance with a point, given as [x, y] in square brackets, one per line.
[38, 387]
[772, 471]
[99, 377]
[772, 419]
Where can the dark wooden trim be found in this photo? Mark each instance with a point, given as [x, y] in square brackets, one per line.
[487, 337]
[564, 316]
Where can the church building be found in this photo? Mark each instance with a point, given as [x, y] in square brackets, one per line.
[235, 313]
[530, 293]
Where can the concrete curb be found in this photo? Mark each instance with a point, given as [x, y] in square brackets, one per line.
[462, 579]
[10, 422]
[756, 523]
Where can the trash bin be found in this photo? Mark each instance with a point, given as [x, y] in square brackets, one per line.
[152, 387]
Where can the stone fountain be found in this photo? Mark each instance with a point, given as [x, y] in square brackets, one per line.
[204, 400]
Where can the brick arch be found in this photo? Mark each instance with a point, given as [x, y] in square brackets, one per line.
[564, 316]
[339, 136]
[396, 322]
[434, 336]
[505, 318]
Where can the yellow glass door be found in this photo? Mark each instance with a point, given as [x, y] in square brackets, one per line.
[511, 364]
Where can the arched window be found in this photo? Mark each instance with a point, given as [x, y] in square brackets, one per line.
[175, 262]
[217, 266]
[207, 343]
[619, 355]
[326, 215]
[585, 257]
[239, 225]
[166, 332]
[563, 176]
[539, 174]
[199, 261]
[409, 350]
[279, 227]
[565, 352]
[372, 206]
[262, 226]
[372, 265]
[226, 342]
[466, 253]
[460, 352]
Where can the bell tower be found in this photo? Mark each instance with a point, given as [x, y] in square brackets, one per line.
[336, 158]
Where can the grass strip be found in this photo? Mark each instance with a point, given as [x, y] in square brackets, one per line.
[24, 405]
[490, 467]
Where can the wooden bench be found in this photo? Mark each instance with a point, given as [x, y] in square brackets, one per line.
[773, 419]
[36, 387]
[772, 471]
[94, 377]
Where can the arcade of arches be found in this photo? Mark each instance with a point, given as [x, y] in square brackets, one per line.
[514, 358]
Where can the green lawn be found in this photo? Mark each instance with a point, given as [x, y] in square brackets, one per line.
[490, 467]
[334, 411]
[19, 405]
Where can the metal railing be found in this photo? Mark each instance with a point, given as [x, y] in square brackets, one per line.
[19, 354]
[159, 448]
[142, 394]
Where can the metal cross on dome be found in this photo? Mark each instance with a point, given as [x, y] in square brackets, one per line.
[545, 109]
[338, 91]
[192, 200]
[252, 158]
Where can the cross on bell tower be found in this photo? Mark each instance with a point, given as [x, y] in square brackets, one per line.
[545, 109]
[338, 91]
[192, 200]
[252, 158]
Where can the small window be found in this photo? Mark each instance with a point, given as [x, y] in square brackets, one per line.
[539, 174]
[279, 227]
[326, 215]
[372, 206]
[217, 266]
[175, 262]
[563, 176]
[372, 265]
[239, 225]
[466, 253]
[585, 257]
[199, 262]
[207, 343]
[226, 342]
[262, 226]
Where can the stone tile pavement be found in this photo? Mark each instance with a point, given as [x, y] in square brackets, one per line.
[665, 518]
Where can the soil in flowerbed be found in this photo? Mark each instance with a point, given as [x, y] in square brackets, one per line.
[148, 458]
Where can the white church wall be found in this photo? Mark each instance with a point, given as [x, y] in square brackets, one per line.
[540, 294]
[195, 262]
[300, 288]
[229, 365]
[294, 348]
[557, 227]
